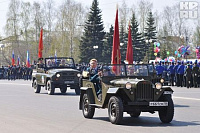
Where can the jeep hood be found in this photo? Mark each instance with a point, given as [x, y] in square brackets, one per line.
[125, 80]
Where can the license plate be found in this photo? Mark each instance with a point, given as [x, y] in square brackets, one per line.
[158, 103]
[69, 82]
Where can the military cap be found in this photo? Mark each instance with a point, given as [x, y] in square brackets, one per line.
[40, 59]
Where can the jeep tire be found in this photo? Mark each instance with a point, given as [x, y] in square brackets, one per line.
[115, 110]
[36, 87]
[166, 115]
[77, 89]
[50, 87]
[88, 111]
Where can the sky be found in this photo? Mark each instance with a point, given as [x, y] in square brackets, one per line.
[108, 8]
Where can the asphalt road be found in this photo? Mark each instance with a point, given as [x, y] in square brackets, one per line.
[23, 111]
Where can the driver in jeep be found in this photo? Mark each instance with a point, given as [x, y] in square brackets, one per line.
[94, 75]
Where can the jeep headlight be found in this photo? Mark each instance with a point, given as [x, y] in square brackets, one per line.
[128, 85]
[158, 86]
[58, 75]
[78, 75]
[162, 80]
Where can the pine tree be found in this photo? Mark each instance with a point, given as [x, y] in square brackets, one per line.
[150, 33]
[137, 41]
[93, 35]
[163, 53]
[107, 46]
[123, 41]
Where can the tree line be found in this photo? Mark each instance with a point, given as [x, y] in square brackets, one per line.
[73, 30]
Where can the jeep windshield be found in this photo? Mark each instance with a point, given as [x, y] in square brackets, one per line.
[114, 70]
[59, 62]
[125, 70]
[137, 70]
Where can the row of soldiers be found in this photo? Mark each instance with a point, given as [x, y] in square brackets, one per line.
[16, 72]
[179, 73]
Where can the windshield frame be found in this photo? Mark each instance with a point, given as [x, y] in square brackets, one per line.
[125, 70]
[59, 67]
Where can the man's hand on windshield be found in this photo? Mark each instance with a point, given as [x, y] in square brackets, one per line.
[100, 73]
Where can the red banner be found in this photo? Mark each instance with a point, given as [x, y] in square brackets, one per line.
[40, 48]
[116, 55]
[129, 52]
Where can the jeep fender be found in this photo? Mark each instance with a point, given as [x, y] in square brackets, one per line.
[167, 90]
[89, 92]
[111, 92]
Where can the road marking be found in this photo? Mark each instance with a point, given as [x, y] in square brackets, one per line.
[13, 84]
[187, 98]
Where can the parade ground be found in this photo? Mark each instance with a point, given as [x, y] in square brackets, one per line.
[23, 111]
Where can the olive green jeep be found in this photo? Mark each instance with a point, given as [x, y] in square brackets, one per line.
[56, 72]
[126, 88]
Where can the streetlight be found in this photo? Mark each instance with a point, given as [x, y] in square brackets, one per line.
[95, 50]
[148, 42]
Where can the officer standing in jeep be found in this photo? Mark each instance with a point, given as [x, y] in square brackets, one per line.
[40, 63]
[94, 75]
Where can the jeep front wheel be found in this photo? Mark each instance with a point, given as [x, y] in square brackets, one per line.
[50, 87]
[115, 110]
[166, 115]
[77, 90]
[36, 87]
[88, 111]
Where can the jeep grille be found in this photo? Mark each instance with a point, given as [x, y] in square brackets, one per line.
[144, 91]
[69, 76]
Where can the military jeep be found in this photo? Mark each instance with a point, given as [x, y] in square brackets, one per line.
[126, 88]
[56, 72]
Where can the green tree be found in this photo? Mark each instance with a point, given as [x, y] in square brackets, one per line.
[107, 46]
[93, 35]
[163, 53]
[123, 41]
[150, 33]
[137, 41]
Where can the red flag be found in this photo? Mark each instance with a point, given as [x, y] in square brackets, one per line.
[116, 56]
[40, 48]
[129, 52]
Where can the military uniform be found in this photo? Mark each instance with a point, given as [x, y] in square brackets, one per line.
[188, 75]
[195, 72]
[94, 78]
[165, 72]
[180, 71]
[171, 70]
[177, 74]
[9, 73]
[159, 70]
[198, 80]
[191, 66]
